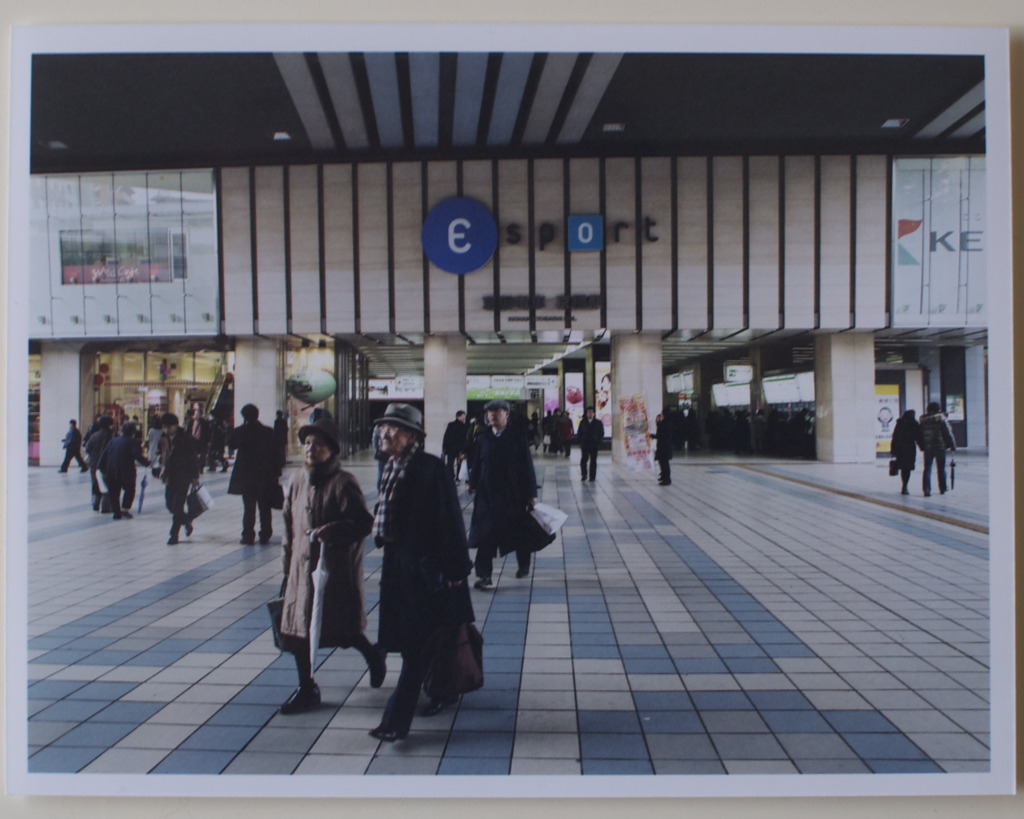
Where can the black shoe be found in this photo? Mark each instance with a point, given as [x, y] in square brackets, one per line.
[63, 471]
[84, 469]
[126, 514]
[245, 541]
[378, 668]
[433, 708]
[264, 540]
[522, 571]
[188, 530]
[927, 494]
[172, 540]
[302, 699]
[387, 735]
[904, 491]
[483, 584]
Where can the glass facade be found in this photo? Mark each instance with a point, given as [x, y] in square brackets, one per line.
[125, 254]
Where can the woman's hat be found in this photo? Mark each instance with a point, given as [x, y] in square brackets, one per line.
[403, 415]
[327, 429]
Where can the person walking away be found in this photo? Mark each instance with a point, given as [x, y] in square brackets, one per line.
[419, 525]
[98, 440]
[590, 435]
[117, 463]
[180, 459]
[281, 434]
[255, 474]
[454, 442]
[937, 438]
[555, 442]
[325, 518]
[73, 448]
[565, 433]
[504, 486]
[156, 432]
[218, 438]
[663, 450]
[906, 440]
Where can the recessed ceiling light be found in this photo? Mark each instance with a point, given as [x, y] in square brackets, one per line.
[56, 145]
[895, 123]
[613, 127]
[282, 136]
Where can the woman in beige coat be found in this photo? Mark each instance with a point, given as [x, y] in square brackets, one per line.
[324, 512]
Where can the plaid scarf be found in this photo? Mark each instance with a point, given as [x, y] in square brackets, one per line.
[393, 471]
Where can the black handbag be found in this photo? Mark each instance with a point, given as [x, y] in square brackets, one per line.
[454, 657]
[532, 536]
[275, 495]
[893, 468]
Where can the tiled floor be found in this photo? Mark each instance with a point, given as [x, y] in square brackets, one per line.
[754, 617]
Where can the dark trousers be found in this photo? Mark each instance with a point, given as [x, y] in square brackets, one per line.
[401, 707]
[451, 461]
[588, 453]
[664, 470]
[484, 563]
[938, 456]
[96, 493]
[567, 446]
[73, 453]
[251, 501]
[174, 496]
[122, 496]
[904, 479]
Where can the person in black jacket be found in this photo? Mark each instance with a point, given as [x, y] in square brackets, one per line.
[936, 437]
[418, 523]
[73, 448]
[454, 442]
[589, 434]
[663, 450]
[98, 440]
[906, 440]
[117, 463]
[502, 479]
[180, 456]
[255, 475]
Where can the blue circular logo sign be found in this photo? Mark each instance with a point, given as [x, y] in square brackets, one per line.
[459, 236]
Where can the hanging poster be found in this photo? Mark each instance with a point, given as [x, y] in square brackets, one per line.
[636, 432]
[887, 411]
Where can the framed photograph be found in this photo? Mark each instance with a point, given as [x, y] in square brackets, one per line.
[791, 245]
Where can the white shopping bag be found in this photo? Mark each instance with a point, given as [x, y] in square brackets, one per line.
[205, 498]
[101, 482]
[549, 517]
[464, 470]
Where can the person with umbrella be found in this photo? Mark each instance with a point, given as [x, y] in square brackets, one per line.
[325, 520]
[117, 463]
[936, 437]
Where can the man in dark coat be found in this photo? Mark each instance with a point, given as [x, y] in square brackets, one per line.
[906, 440]
[281, 434]
[419, 525]
[258, 465]
[117, 463]
[937, 438]
[454, 442]
[325, 518]
[663, 450]
[73, 448]
[98, 440]
[504, 484]
[589, 434]
[180, 457]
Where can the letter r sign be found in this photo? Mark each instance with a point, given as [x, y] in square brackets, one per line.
[459, 235]
[586, 233]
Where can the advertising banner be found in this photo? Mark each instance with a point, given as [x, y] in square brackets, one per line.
[636, 432]
[888, 410]
[603, 395]
[574, 397]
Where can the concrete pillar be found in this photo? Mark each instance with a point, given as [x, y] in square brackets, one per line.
[60, 397]
[844, 397]
[636, 370]
[976, 399]
[444, 384]
[914, 391]
[258, 378]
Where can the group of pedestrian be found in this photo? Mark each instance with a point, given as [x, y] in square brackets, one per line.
[557, 433]
[932, 436]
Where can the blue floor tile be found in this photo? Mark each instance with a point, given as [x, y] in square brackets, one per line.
[194, 762]
[863, 722]
[220, 738]
[237, 714]
[480, 744]
[62, 760]
[613, 746]
[662, 701]
[796, 722]
[102, 691]
[779, 700]
[95, 735]
[883, 746]
[606, 722]
[720, 700]
[133, 712]
[485, 720]
[468, 766]
[671, 722]
[70, 711]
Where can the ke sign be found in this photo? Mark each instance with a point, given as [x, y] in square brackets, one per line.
[459, 236]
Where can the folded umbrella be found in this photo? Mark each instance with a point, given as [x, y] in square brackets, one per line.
[952, 474]
[316, 616]
[142, 492]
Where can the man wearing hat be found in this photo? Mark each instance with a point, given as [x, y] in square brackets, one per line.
[419, 525]
[258, 463]
[179, 456]
[504, 486]
[325, 519]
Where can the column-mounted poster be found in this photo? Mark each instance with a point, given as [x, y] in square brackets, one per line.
[636, 432]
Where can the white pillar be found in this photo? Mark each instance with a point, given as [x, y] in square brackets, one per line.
[444, 384]
[636, 370]
[258, 378]
[914, 391]
[844, 397]
[976, 399]
[60, 397]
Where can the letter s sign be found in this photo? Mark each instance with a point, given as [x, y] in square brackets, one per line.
[459, 235]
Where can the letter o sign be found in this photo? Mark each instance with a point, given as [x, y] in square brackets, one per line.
[459, 236]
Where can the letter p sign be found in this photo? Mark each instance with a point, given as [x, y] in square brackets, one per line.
[459, 236]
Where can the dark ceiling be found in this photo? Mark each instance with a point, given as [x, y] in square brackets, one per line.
[95, 112]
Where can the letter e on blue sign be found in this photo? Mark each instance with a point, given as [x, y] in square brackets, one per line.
[459, 235]
[586, 233]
